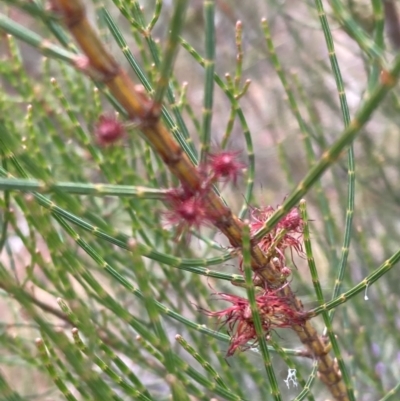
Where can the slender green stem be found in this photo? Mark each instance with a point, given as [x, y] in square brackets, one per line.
[28, 36]
[392, 393]
[310, 381]
[297, 377]
[126, 387]
[261, 336]
[351, 163]
[209, 63]
[58, 381]
[242, 119]
[32, 9]
[24, 185]
[121, 240]
[363, 285]
[305, 135]
[156, 15]
[172, 43]
[185, 368]
[356, 32]
[108, 351]
[379, 31]
[177, 389]
[320, 298]
[6, 393]
[206, 365]
[179, 131]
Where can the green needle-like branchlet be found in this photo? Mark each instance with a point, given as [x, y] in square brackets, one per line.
[209, 65]
[351, 163]
[170, 52]
[362, 286]
[6, 391]
[127, 388]
[164, 346]
[15, 184]
[26, 35]
[261, 335]
[44, 356]
[318, 291]
[207, 367]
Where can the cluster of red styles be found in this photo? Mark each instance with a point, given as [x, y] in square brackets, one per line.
[188, 211]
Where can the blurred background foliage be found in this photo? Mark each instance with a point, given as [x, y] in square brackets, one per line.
[56, 275]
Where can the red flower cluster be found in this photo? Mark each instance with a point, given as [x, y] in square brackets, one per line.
[287, 234]
[187, 207]
[275, 312]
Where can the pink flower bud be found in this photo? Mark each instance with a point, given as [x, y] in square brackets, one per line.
[108, 130]
[225, 166]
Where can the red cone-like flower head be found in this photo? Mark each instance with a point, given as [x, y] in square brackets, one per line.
[225, 166]
[187, 209]
[108, 130]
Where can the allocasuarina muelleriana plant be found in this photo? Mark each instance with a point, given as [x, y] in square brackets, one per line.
[195, 203]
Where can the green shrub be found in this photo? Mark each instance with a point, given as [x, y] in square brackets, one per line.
[140, 150]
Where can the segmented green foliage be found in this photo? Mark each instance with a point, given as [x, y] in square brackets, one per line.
[83, 239]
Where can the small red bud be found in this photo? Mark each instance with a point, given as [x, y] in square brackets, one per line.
[108, 130]
[186, 209]
[224, 165]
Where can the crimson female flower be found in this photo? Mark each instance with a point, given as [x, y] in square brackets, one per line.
[287, 234]
[224, 166]
[108, 130]
[275, 311]
[186, 209]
